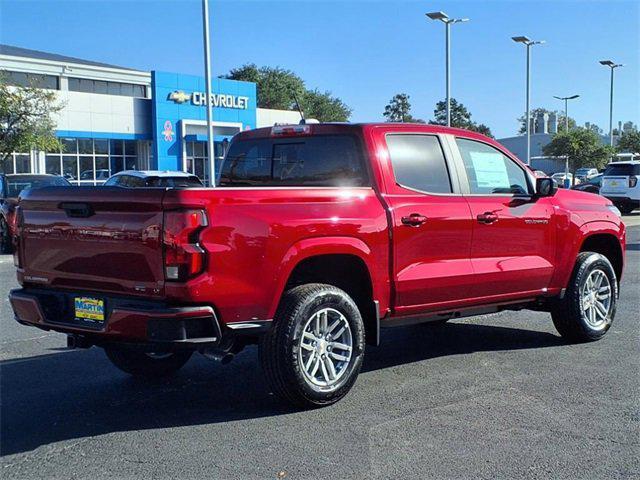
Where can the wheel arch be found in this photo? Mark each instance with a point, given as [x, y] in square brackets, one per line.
[344, 262]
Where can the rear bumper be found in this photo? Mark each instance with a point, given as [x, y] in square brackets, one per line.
[616, 199]
[126, 320]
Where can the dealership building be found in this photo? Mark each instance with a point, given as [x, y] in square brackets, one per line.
[115, 118]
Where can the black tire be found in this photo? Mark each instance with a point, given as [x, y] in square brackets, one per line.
[626, 209]
[568, 314]
[281, 354]
[6, 245]
[141, 364]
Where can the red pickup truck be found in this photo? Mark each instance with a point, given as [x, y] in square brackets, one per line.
[317, 236]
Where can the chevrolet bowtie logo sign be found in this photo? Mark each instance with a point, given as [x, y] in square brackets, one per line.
[218, 100]
[179, 96]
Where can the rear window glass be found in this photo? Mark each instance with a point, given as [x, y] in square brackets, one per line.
[624, 170]
[18, 184]
[323, 160]
[174, 182]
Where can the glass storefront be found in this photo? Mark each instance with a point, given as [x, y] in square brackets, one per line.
[86, 161]
[197, 159]
[16, 163]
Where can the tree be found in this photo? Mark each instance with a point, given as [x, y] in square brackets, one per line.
[460, 117]
[583, 148]
[324, 107]
[277, 88]
[399, 110]
[541, 111]
[26, 121]
[629, 142]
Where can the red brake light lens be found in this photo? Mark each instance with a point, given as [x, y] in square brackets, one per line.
[183, 256]
[290, 130]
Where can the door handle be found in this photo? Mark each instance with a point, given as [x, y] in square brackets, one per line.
[414, 220]
[487, 217]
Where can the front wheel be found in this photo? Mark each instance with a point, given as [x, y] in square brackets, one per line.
[313, 354]
[589, 305]
[626, 208]
[145, 364]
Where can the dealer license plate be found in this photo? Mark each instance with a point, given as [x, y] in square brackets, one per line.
[88, 308]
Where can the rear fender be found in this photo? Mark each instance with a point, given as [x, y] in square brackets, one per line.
[311, 247]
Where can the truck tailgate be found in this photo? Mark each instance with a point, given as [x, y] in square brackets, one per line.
[103, 239]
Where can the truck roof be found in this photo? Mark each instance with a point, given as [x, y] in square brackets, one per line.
[341, 127]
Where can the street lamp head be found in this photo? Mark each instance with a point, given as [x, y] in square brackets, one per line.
[527, 41]
[609, 63]
[438, 16]
[572, 97]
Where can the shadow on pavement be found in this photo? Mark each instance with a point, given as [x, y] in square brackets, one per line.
[76, 394]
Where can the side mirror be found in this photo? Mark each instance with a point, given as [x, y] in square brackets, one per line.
[546, 187]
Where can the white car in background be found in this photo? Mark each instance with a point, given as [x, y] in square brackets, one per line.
[559, 177]
[621, 185]
[584, 174]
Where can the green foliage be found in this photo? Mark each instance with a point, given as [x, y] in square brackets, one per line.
[583, 148]
[26, 119]
[460, 117]
[399, 110]
[277, 87]
[629, 142]
[537, 111]
[324, 107]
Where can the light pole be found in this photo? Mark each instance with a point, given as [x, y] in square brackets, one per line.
[612, 66]
[443, 17]
[207, 75]
[566, 109]
[529, 43]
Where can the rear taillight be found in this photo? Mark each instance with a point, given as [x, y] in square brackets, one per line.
[633, 181]
[183, 256]
[16, 227]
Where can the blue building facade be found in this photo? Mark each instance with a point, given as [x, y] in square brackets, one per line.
[179, 116]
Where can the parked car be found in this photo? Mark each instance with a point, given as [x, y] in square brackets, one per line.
[560, 178]
[592, 185]
[10, 188]
[316, 237]
[153, 178]
[101, 176]
[537, 173]
[620, 184]
[584, 174]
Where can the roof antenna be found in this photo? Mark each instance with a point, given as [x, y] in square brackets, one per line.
[302, 120]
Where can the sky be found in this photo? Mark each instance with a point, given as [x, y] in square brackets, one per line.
[366, 52]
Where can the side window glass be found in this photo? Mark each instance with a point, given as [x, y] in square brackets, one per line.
[490, 171]
[418, 163]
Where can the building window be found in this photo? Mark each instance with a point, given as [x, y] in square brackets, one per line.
[16, 163]
[109, 88]
[21, 79]
[86, 161]
[197, 159]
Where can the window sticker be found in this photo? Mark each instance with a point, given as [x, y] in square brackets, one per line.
[490, 170]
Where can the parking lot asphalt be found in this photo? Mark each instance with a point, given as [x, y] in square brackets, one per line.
[500, 396]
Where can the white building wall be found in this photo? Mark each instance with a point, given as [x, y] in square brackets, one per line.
[93, 112]
[267, 117]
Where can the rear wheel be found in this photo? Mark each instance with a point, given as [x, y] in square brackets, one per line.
[146, 364]
[589, 305]
[313, 354]
[6, 245]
